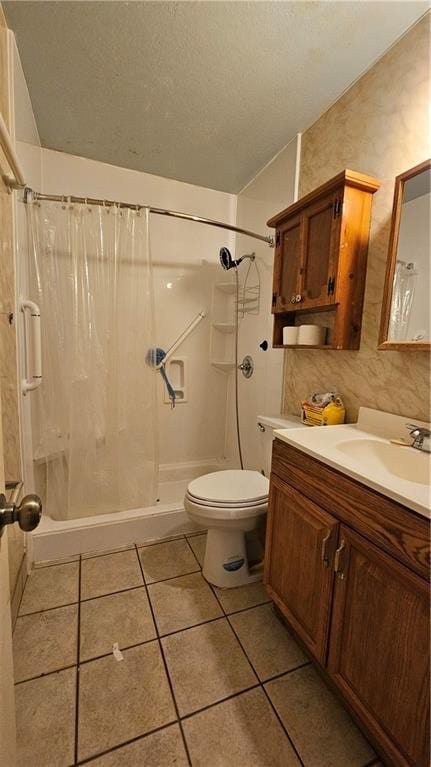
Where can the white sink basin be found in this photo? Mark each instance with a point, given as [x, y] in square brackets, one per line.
[402, 462]
[364, 451]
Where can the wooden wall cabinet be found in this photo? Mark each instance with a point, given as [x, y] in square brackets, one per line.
[321, 257]
[349, 572]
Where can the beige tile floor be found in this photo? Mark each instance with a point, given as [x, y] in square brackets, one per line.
[209, 677]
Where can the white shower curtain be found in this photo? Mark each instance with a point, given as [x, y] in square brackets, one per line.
[94, 416]
[402, 300]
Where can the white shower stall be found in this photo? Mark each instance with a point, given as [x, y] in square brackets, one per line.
[135, 493]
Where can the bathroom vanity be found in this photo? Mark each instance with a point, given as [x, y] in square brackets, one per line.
[347, 565]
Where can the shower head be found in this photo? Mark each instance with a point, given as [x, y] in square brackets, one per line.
[228, 262]
[226, 259]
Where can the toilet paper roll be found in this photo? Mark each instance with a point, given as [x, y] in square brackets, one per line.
[290, 335]
[311, 335]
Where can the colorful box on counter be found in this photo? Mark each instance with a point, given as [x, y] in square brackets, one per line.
[323, 410]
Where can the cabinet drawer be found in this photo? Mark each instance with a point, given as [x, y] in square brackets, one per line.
[397, 530]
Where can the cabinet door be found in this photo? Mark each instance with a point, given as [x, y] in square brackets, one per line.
[301, 540]
[287, 265]
[379, 648]
[321, 227]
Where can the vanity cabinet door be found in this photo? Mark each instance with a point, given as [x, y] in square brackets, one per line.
[299, 573]
[379, 647]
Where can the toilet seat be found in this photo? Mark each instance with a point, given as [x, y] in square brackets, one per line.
[226, 504]
[209, 512]
[232, 488]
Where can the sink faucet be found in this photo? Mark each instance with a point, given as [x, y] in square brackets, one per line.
[421, 437]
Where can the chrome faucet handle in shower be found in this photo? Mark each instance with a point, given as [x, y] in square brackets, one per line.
[247, 366]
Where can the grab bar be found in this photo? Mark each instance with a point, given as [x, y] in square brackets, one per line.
[14, 487]
[15, 180]
[29, 383]
[182, 337]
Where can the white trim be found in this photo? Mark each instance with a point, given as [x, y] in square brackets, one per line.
[54, 539]
[295, 137]
[297, 166]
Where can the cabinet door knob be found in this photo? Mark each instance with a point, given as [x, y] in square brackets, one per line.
[324, 553]
[293, 300]
[338, 563]
[298, 298]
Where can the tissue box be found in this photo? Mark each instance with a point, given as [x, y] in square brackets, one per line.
[323, 415]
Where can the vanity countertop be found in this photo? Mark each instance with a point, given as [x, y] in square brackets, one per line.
[364, 452]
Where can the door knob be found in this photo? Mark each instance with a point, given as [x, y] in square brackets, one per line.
[27, 513]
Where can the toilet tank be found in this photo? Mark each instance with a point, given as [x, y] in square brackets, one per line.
[267, 424]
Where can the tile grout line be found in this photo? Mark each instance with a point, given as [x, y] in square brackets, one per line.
[43, 675]
[219, 702]
[262, 687]
[48, 610]
[78, 652]
[172, 577]
[54, 563]
[84, 661]
[186, 748]
[125, 743]
[260, 684]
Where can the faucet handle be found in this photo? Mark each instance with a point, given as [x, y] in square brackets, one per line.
[416, 431]
[421, 437]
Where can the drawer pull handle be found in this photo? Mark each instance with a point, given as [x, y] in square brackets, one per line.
[338, 565]
[324, 553]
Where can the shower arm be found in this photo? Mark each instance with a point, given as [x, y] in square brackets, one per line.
[182, 337]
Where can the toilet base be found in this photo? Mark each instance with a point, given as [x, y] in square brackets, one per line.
[226, 562]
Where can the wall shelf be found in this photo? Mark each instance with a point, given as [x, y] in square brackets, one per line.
[224, 327]
[226, 287]
[223, 364]
[303, 346]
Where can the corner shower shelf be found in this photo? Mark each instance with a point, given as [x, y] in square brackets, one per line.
[223, 364]
[226, 287]
[224, 327]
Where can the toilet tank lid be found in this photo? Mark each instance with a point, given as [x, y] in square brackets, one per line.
[280, 421]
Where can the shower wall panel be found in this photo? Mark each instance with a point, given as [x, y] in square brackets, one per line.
[271, 190]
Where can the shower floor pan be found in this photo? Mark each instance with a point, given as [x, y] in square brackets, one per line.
[54, 539]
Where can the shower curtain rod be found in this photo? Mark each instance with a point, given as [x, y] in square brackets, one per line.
[158, 211]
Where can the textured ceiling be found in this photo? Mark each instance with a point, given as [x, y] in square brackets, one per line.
[204, 92]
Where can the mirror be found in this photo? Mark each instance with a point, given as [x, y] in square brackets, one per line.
[406, 318]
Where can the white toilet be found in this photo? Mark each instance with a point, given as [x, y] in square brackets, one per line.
[230, 504]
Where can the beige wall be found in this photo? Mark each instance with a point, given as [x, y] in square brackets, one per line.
[380, 127]
[8, 366]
